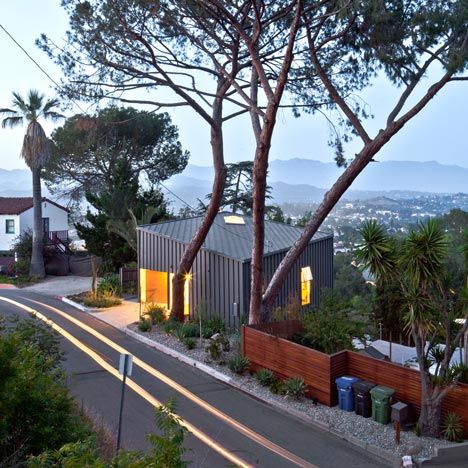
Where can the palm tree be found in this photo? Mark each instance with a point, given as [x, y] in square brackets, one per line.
[430, 307]
[127, 229]
[36, 152]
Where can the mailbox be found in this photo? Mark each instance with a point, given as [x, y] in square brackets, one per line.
[400, 412]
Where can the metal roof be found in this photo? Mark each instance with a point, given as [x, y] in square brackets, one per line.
[231, 240]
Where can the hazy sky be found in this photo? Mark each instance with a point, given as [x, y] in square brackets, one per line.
[438, 133]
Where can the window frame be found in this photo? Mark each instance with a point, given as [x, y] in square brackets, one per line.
[10, 226]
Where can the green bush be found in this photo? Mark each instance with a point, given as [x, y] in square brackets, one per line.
[461, 371]
[37, 412]
[239, 364]
[214, 349]
[294, 388]
[212, 326]
[265, 377]
[187, 330]
[101, 302]
[189, 342]
[277, 387]
[171, 326]
[167, 449]
[330, 330]
[156, 313]
[144, 325]
[452, 427]
[109, 285]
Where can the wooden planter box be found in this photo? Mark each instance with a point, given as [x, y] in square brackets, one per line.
[268, 346]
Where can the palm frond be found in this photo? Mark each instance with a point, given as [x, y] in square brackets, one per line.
[35, 100]
[53, 116]
[377, 251]
[8, 112]
[423, 254]
[50, 104]
[12, 122]
[19, 102]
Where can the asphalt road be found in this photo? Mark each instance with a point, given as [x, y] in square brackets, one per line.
[99, 391]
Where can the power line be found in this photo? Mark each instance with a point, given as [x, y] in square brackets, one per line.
[38, 66]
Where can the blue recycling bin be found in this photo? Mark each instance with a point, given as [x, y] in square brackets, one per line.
[345, 392]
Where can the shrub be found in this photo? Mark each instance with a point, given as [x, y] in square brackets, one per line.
[461, 371]
[212, 326]
[452, 427]
[144, 325]
[156, 313]
[109, 285]
[37, 412]
[187, 330]
[277, 387]
[213, 349]
[265, 377]
[239, 364]
[189, 342]
[329, 330]
[294, 388]
[171, 325]
[101, 302]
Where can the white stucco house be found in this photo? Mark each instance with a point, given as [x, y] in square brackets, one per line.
[16, 217]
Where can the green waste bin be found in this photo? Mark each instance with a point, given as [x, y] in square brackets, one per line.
[381, 397]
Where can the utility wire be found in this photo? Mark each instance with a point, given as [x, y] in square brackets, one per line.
[38, 66]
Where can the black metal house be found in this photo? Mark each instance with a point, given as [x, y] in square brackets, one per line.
[220, 277]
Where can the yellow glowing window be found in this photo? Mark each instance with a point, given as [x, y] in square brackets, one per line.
[234, 219]
[306, 280]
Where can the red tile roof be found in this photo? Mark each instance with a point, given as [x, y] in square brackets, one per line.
[16, 205]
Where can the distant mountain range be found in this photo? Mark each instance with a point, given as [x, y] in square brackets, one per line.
[302, 180]
[306, 180]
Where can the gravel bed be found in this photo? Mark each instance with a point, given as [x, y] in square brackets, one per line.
[347, 424]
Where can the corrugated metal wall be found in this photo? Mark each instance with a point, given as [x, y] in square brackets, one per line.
[318, 255]
[218, 282]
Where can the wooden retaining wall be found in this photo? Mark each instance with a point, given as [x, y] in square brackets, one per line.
[267, 346]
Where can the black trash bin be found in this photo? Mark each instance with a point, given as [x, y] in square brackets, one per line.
[362, 398]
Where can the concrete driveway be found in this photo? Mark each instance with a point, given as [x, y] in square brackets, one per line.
[61, 285]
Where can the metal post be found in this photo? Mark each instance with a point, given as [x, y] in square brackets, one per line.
[119, 433]
[465, 345]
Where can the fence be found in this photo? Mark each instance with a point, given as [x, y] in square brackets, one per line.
[129, 279]
[266, 346]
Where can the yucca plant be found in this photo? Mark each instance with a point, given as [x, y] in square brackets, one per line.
[452, 427]
[239, 364]
[416, 265]
[265, 377]
[294, 388]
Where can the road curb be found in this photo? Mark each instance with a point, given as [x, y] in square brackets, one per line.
[376, 452]
[77, 305]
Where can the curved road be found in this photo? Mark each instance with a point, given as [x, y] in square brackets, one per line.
[227, 427]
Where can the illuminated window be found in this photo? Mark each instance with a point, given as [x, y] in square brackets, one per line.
[233, 219]
[306, 282]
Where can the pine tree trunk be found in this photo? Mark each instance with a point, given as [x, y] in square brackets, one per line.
[36, 268]
[192, 249]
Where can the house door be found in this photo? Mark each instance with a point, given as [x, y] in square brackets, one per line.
[45, 225]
